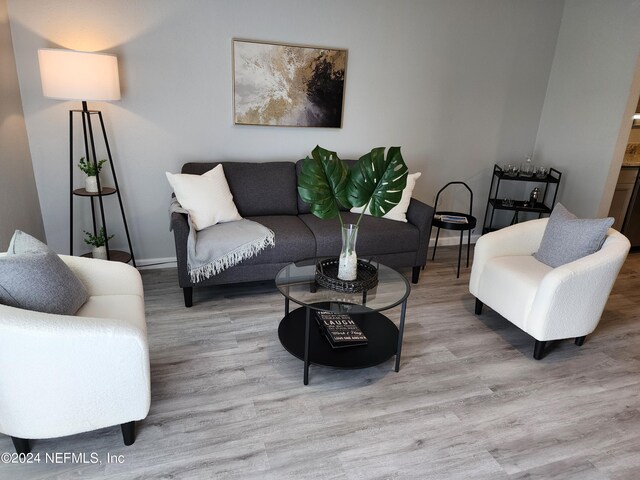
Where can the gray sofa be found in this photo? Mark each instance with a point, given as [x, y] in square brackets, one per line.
[267, 193]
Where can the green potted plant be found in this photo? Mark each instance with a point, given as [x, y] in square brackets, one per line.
[92, 170]
[98, 242]
[375, 183]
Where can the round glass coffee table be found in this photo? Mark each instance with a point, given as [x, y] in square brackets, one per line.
[301, 337]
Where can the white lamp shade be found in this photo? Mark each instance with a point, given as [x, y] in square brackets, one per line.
[71, 75]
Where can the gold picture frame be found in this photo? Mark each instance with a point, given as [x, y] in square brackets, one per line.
[285, 85]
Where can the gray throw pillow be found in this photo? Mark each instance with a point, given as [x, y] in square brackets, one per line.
[33, 277]
[568, 238]
[24, 243]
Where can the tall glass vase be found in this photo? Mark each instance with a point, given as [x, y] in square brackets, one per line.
[348, 265]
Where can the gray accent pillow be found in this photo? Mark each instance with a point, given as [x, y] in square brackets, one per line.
[568, 238]
[24, 243]
[34, 278]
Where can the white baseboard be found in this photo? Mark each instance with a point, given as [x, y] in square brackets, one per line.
[170, 262]
[154, 263]
[454, 239]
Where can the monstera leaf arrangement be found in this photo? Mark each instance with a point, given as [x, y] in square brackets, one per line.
[375, 183]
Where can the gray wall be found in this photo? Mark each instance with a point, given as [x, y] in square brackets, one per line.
[459, 85]
[19, 206]
[593, 91]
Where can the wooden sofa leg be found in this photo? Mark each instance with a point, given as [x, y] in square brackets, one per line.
[538, 350]
[580, 340]
[128, 433]
[415, 274]
[479, 305]
[21, 445]
[188, 296]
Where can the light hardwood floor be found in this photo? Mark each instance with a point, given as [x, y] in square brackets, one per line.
[469, 401]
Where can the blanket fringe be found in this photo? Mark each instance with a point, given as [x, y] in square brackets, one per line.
[232, 258]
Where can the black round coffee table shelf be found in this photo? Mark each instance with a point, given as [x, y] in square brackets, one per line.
[381, 333]
[300, 334]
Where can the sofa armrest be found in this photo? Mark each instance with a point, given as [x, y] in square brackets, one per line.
[420, 215]
[103, 277]
[180, 228]
[571, 297]
[519, 239]
[56, 356]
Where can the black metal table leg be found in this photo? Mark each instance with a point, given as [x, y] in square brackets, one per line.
[306, 346]
[400, 334]
[21, 445]
[466, 223]
[435, 245]
[286, 306]
[460, 252]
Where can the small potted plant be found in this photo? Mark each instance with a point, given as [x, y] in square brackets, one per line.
[92, 170]
[98, 242]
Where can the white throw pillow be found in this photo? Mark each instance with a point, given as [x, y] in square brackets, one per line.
[399, 212]
[206, 197]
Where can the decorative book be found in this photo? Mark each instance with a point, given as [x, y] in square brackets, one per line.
[451, 218]
[340, 329]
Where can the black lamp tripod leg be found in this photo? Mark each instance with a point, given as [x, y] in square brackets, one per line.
[70, 182]
[100, 200]
[115, 181]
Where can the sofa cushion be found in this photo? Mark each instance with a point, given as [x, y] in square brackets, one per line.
[376, 236]
[303, 207]
[567, 237]
[33, 277]
[206, 197]
[258, 188]
[293, 240]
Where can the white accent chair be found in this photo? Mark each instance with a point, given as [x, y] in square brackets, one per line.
[61, 375]
[547, 303]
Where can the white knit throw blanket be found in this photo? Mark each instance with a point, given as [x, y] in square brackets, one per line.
[216, 248]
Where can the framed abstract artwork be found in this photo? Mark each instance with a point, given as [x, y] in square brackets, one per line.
[288, 85]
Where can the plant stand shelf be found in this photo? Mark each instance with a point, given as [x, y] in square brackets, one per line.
[115, 255]
[90, 154]
[82, 192]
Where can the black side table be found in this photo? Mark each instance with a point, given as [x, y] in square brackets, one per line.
[455, 226]
[461, 227]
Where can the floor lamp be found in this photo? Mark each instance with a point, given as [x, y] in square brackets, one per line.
[72, 75]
